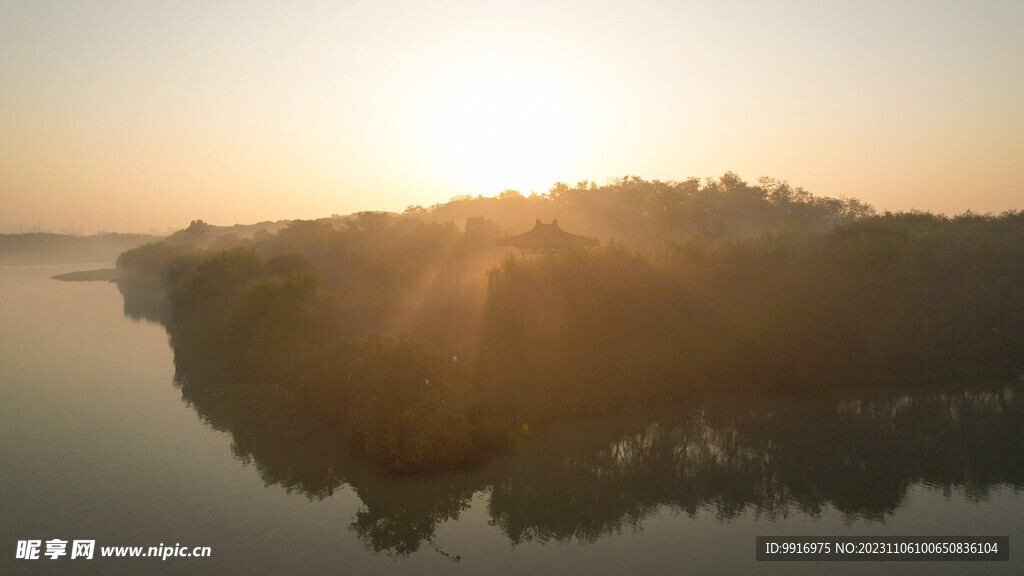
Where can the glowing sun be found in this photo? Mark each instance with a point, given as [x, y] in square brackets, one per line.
[498, 122]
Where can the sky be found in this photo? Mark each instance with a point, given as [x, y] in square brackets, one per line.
[137, 116]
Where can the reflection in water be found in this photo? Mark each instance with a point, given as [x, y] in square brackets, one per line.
[726, 454]
[143, 301]
[730, 453]
[857, 452]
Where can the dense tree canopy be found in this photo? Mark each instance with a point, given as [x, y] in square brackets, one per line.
[428, 346]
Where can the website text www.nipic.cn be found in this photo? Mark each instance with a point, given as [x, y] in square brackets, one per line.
[86, 550]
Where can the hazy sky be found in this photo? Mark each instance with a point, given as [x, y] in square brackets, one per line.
[129, 115]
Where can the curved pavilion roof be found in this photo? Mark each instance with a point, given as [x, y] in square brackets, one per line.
[545, 238]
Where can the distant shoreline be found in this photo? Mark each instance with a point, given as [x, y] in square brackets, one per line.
[43, 248]
[101, 275]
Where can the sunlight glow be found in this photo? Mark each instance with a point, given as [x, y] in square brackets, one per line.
[496, 122]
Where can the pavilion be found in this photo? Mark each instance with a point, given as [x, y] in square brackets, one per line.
[545, 239]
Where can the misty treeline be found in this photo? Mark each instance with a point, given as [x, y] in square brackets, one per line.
[416, 340]
[47, 248]
[649, 214]
[886, 300]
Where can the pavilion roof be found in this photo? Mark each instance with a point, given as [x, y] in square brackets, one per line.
[546, 238]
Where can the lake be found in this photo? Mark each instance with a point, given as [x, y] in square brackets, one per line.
[100, 441]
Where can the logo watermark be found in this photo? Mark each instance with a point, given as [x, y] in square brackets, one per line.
[86, 549]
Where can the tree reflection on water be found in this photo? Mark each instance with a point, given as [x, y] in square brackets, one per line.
[855, 452]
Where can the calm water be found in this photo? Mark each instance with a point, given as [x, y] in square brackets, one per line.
[98, 441]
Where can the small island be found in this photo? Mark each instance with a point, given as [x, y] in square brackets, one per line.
[100, 275]
[427, 345]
